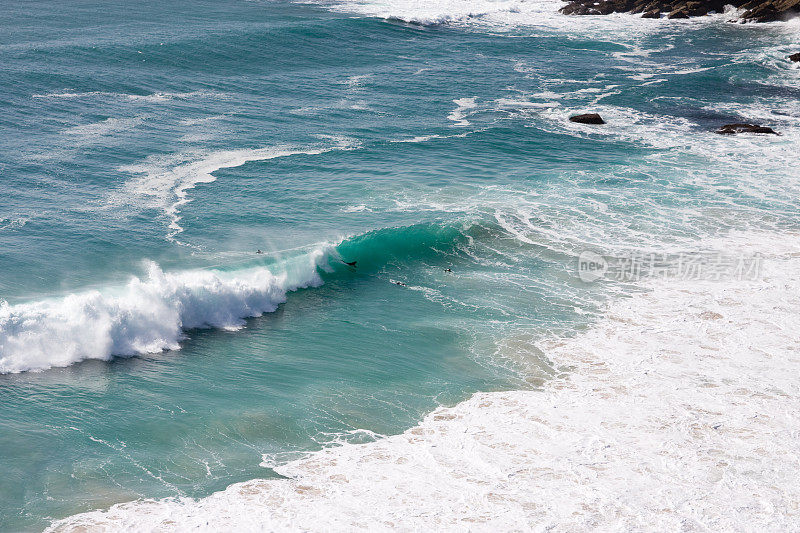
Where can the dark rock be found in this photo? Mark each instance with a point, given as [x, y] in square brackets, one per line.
[698, 9]
[747, 6]
[762, 13]
[795, 57]
[571, 8]
[621, 6]
[770, 10]
[660, 6]
[731, 129]
[716, 6]
[753, 10]
[588, 118]
[679, 14]
[784, 6]
[654, 14]
[605, 8]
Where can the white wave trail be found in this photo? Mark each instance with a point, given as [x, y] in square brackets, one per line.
[168, 180]
[440, 11]
[108, 126]
[677, 411]
[154, 97]
[147, 316]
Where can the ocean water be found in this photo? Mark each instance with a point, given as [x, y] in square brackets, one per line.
[149, 151]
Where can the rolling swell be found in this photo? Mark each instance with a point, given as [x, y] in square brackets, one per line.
[151, 314]
[419, 241]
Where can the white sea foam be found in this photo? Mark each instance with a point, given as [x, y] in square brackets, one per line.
[164, 182]
[355, 208]
[452, 11]
[436, 12]
[426, 138]
[202, 120]
[108, 126]
[504, 14]
[463, 107]
[677, 411]
[13, 221]
[421, 138]
[153, 97]
[357, 82]
[148, 315]
[756, 167]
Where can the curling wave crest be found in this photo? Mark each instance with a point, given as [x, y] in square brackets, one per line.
[149, 315]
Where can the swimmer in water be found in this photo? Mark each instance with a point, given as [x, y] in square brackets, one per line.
[259, 252]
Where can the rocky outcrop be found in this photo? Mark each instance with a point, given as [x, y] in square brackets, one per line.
[753, 10]
[678, 14]
[795, 57]
[731, 129]
[587, 118]
[771, 10]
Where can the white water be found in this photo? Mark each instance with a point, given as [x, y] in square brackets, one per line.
[507, 13]
[147, 316]
[459, 114]
[109, 126]
[680, 409]
[449, 11]
[154, 97]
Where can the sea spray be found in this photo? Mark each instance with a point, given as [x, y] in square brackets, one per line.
[152, 313]
[148, 315]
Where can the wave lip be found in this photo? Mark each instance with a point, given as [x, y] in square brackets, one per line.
[147, 316]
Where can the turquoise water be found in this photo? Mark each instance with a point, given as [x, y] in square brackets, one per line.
[171, 143]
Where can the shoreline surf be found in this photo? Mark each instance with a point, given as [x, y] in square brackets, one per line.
[675, 410]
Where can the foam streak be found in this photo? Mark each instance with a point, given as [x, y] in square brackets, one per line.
[168, 181]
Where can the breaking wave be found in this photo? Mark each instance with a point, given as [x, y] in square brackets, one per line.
[148, 315]
[153, 312]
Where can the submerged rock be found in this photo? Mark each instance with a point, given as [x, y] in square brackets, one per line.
[732, 129]
[587, 118]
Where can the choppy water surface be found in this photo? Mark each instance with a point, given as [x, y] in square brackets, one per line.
[149, 152]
